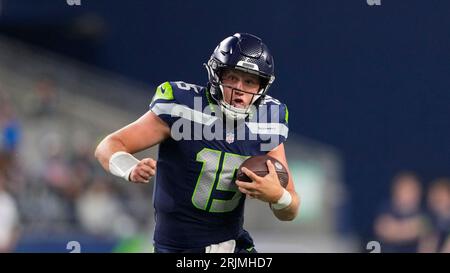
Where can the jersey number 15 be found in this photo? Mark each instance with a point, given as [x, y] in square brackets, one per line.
[217, 177]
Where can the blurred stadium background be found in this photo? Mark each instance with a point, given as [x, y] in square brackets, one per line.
[367, 87]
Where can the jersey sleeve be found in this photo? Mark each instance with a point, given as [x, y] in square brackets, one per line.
[273, 130]
[164, 101]
[283, 123]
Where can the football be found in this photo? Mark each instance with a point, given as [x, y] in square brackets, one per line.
[258, 165]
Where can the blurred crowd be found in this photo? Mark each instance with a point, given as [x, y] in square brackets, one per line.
[412, 221]
[67, 192]
[9, 140]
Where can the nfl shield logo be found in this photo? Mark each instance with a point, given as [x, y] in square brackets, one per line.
[230, 137]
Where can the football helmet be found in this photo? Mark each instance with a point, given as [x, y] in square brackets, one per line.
[244, 52]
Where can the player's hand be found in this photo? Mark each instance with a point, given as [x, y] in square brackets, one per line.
[144, 170]
[265, 188]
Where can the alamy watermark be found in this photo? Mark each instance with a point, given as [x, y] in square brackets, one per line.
[74, 247]
[264, 123]
[73, 2]
[373, 2]
[374, 247]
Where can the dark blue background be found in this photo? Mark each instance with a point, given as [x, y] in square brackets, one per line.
[374, 81]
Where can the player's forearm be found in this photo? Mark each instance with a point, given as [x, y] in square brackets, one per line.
[290, 212]
[107, 147]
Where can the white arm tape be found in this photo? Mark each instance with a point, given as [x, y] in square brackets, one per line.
[284, 201]
[121, 164]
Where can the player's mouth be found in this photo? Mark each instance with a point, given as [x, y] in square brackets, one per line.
[239, 103]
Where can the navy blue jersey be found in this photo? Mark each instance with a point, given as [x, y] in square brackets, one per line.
[196, 200]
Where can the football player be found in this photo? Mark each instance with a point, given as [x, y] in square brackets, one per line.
[198, 204]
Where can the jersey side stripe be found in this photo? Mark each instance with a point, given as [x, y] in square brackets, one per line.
[268, 128]
[178, 110]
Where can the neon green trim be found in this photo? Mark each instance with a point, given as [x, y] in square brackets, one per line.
[164, 91]
[286, 116]
[201, 174]
[210, 104]
[220, 187]
[216, 182]
[244, 157]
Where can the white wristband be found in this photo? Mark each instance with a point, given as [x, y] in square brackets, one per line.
[284, 201]
[121, 164]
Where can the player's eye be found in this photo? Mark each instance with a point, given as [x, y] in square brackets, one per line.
[250, 82]
[234, 78]
[231, 77]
